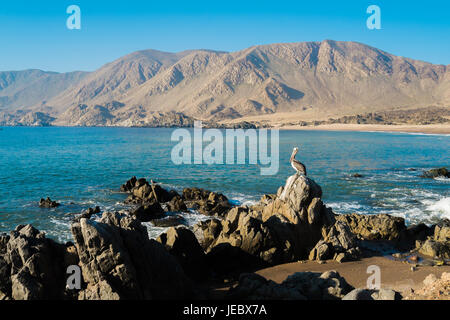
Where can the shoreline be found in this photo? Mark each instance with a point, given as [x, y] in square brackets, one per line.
[439, 129]
[443, 129]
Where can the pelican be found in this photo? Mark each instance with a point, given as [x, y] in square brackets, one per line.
[297, 165]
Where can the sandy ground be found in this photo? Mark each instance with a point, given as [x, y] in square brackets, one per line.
[395, 275]
[428, 129]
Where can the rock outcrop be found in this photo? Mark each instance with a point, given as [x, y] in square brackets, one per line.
[48, 203]
[206, 202]
[339, 244]
[32, 267]
[433, 288]
[374, 227]
[181, 242]
[435, 173]
[141, 191]
[280, 229]
[119, 261]
[438, 245]
[299, 286]
[148, 211]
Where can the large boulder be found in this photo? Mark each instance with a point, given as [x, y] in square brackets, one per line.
[142, 191]
[181, 242]
[374, 227]
[48, 203]
[129, 185]
[36, 266]
[270, 242]
[437, 245]
[339, 244]
[148, 211]
[299, 286]
[282, 229]
[435, 173]
[299, 203]
[169, 221]
[207, 232]
[206, 202]
[119, 261]
[176, 205]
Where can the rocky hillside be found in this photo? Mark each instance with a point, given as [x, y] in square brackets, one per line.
[309, 80]
[23, 89]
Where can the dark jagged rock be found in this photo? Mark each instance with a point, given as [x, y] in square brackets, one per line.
[176, 204]
[339, 244]
[438, 245]
[88, 213]
[48, 203]
[170, 221]
[129, 185]
[206, 202]
[148, 212]
[142, 191]
[230, 261]
[411, 234]
[374, 227]
[299, 286]
[283, 230]
[181, 243]
[207, 232]
[119, 261]
[36, 264]
[435, 173]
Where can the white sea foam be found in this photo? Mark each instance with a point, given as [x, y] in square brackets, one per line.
[346, 207]
[443, 179]
[440, 208]
[192, 218]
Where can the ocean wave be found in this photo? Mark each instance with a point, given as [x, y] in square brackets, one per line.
[443, 179]
[346, 207]
[440, 208]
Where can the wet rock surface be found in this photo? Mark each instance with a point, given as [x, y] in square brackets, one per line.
[48, 203]
[206, 202]
[435, 173]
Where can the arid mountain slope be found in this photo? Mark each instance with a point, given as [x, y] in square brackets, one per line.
[309, 80]
[22, 89]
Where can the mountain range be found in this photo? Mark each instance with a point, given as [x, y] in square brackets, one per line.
[277, 82]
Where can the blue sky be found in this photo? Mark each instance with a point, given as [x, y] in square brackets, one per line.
[34, 34]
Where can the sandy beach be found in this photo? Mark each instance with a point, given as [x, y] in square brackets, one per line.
[395, 275]
[426, 129]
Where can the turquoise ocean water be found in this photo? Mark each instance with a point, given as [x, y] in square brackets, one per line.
[84, 167]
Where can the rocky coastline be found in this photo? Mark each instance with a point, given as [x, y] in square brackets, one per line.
[118, 260]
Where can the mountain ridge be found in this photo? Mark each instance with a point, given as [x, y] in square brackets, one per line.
[305, 79]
